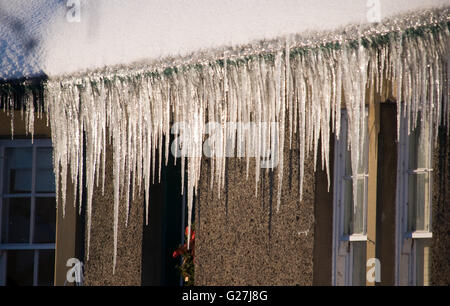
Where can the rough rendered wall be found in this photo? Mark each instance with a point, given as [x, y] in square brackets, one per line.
[242, 240]
[440, 250]
[98, 269]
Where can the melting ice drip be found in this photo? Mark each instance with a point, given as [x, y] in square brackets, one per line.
[300, 90]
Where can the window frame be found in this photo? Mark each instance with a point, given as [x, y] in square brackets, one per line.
[343, 261]
[406, 240]
[31, 246]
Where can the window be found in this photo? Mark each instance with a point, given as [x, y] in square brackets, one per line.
[414, 186]
[27, 213]
[349, 237]
[419, 179]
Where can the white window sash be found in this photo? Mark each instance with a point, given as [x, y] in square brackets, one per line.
[342, 263]
[406, 249]
[5, 247]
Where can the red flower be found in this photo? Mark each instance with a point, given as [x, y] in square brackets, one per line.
[193, 235]
[175, 254]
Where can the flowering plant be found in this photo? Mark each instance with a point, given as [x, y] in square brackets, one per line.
[187, 264]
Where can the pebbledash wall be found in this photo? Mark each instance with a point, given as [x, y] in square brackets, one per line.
[243, 240]
[98, 269]
[440, 245]
[240, 238]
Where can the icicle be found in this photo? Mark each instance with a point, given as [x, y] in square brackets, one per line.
[29, 115]
[289, 96]
[135, 107]
[280, 118]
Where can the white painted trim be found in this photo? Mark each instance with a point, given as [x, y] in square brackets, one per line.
[3, 262]
[5, 247]
[27, 195]
[32, 199]
[339, 250]
[38, 142]
[35, 267]
[405, 250]
[27, 246]
[354, 237]
[420, 170]
[336, 196]
[2, 157]
[419, 235]
[342, 261]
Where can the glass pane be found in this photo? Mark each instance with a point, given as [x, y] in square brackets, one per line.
[419, 202]
[348, 161]
[45, 220]
[16, 220]
[359, 263]
[358, 224]
[363, 161]
[45, 179]
[18, 170]
[420, 146]
[348, 207]
[354, 215]
[19, 270]
[46, 267]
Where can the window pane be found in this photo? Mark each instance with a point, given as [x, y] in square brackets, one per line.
[354, 216]
[358, 225]
[45, 179]
[18, 170]
[348, 207]
[363, 161]
[15, 220]
[359, 263]
[45, 220]
[46, 267]
[419, 202]
[19, 270]
[348, 161]
[420, 146]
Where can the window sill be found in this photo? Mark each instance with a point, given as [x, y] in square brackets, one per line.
[27, 246]
[354, 237]
[419, 235]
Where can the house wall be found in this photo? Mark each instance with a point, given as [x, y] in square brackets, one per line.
[41, 130]
[242, 240]
[99, 267]
[386, 210]
[440, 247]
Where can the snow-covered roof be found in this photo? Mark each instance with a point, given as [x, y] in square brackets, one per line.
[52, 37]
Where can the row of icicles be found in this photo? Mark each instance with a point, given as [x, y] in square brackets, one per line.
[302, 92]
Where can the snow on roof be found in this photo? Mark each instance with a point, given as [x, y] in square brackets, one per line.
[52, 37]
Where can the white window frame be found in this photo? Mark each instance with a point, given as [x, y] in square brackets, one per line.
[406, 246]
[36, 247]
[342, 263]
